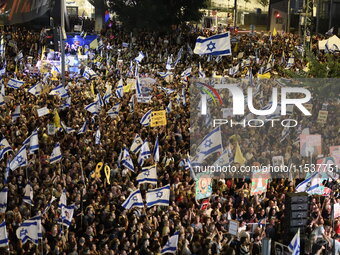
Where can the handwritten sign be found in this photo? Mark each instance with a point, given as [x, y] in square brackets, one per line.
[158, 118]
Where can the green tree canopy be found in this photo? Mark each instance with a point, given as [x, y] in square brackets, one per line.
[156, 15]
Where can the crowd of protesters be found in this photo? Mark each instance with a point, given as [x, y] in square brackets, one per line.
[100, 224]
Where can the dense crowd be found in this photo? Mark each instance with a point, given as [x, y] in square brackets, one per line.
[100, 224]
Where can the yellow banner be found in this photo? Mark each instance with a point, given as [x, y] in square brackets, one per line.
[158, 118]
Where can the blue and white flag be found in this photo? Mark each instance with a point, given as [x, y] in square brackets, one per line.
[49, 205]
[3, 200]
[171, 245]
[169, 107]
[14, 83]
[93, 108]
[186, 73]
[108, 94]
[62, 199]
[311, 184]
[4, 147]
[140, 57]
[66, 215]
[127, 161]
[28, 194]
[183, 97]
[189, 49]
[97, 136]
[3, 235]
[223, 160]
[59, 91]
[214, 45]
[145, 120]
[211, 143]
[66, 103]
[132, 103]
[89, 73]
[7, 170]
[136, 70]
[168, 91]
[99, 100]
[29, 230]
[168, 64]
[164, 74]
[234, 70]
[32, 141]
[67, 129]
[133, 200]
[138, 87]
[294, 245]
[83, 128]
[179, 56]
[145, 153]
[159, 196]
[156, 151]
[20, 159]
[36, 89]
[148, 175]
[136, 144]
[2, 94]
[16, 113]
[114, 111]
[201, 74]
[56, 154]
[120, 90]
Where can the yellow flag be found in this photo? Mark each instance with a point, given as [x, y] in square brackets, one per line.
[79, 51]
[127, 88]
[43, 53]
[274, 32]
[16, 68]
[94, 44]
[236, 47]
[92, 89]
[239, 156]
[263, 76]
[56, 119]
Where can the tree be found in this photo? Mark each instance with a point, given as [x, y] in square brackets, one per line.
[246, 2]
[264, 3]
[156, 15]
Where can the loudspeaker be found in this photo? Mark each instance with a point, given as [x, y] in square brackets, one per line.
[296, 212]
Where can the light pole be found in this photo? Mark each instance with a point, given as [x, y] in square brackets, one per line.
[235, 14]
[62, 48]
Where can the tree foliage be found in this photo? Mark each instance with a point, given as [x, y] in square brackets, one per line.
[156, 15]
[264, 3]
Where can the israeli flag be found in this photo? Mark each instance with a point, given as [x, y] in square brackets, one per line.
[211, 144]
[167, 90]
[7, 169]
[59, 91]
[62, 199]
[156, 151]
[120, 90]
[217, 45]
[49, 205]
[160, 196]
[145, 153]
[93, 108]
[309, 184]
[127, 161]
[201, 74]
[99, 100]
[28, 194]
[56, 154]
[67, 129]
[20, 159]
[83, 128]
[183, 97]
[234, 70]
[148, 175]
[107, 94]
[189, 49]
[169, 65]
[3, 235]
[294, 245]
[16, 113]
[14, 83]
[145, 120]
[136, 144]
[114, 111]
[171, 245]
[138, 87]
[179, 56]
[132, 103]
[30, 230]
[66, 215]
[140, 57]
[36, 89]
[4, 147]
[3, 200]
[32, 141]
[169, 107]
[97, 136]
[136, 70]
[89, 73]
[164, 74]
[186, 72]
[223, 160]
[134, 200]
[2, 100]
